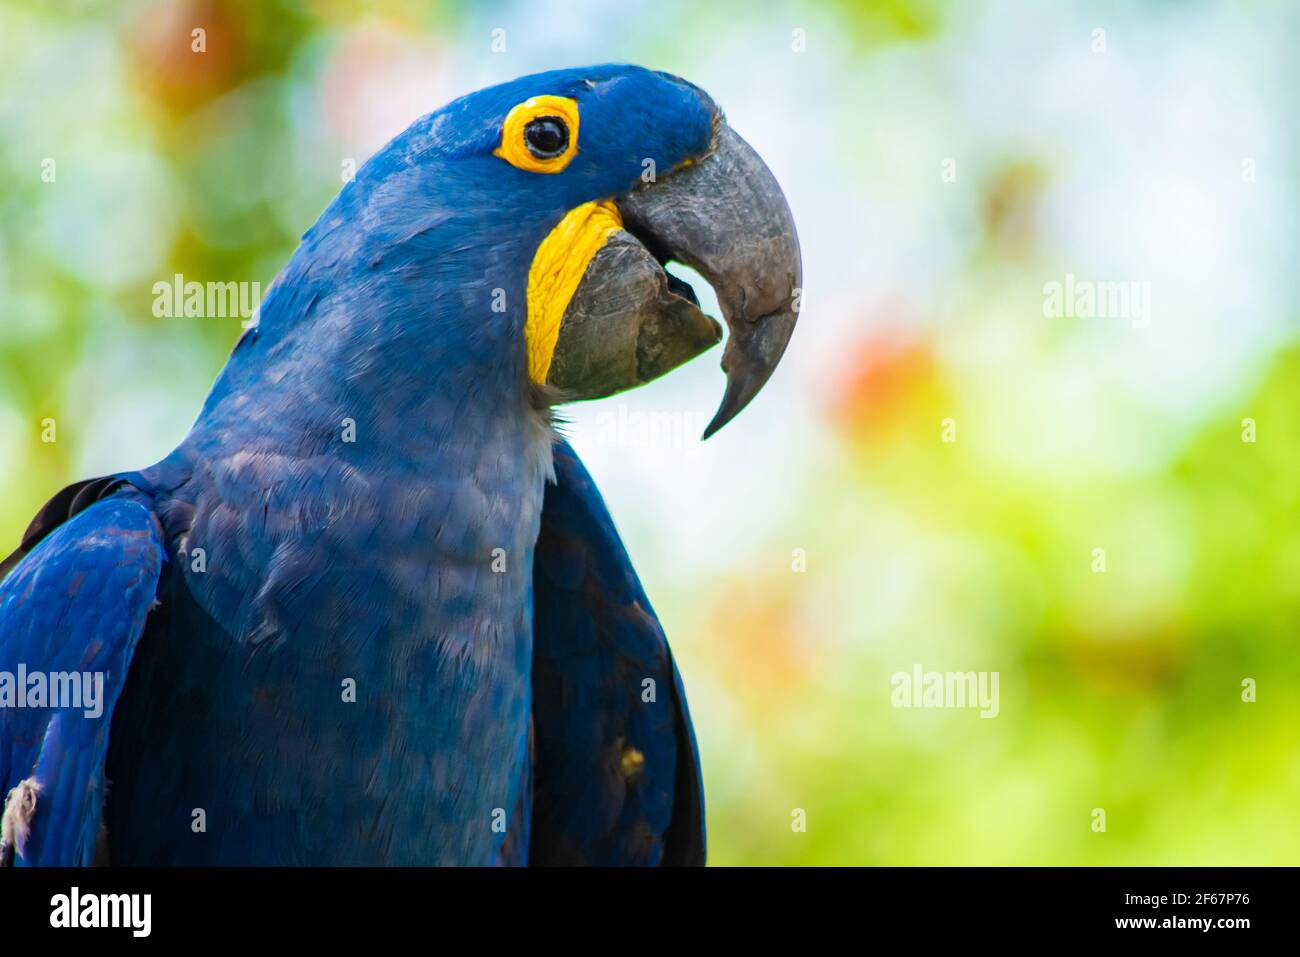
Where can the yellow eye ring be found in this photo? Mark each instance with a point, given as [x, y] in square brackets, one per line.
[551, 123]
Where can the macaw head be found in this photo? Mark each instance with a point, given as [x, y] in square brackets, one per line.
[521, 232]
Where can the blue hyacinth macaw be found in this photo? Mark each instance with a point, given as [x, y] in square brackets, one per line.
[372, 610]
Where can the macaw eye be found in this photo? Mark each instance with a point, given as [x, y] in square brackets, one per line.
[547, 137]
[540, 135]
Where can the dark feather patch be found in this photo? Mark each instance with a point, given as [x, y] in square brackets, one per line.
[617, 777]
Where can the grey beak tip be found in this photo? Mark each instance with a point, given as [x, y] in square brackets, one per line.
[752, 355]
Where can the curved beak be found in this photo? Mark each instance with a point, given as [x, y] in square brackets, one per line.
[630, 321]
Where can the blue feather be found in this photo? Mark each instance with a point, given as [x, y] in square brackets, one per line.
[341, 668]
[618, 778]
[76, 605]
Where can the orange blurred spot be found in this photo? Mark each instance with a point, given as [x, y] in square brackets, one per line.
[880, 374]
[756, 640]
[169, 66]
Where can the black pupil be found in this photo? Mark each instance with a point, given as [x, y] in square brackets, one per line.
[546, 136]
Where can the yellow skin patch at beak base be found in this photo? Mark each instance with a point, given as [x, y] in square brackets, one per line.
[557, 269]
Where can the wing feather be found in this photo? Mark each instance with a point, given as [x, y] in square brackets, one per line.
[72, 609]
[617, 777]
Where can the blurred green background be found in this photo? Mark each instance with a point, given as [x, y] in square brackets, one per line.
[944, 162]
